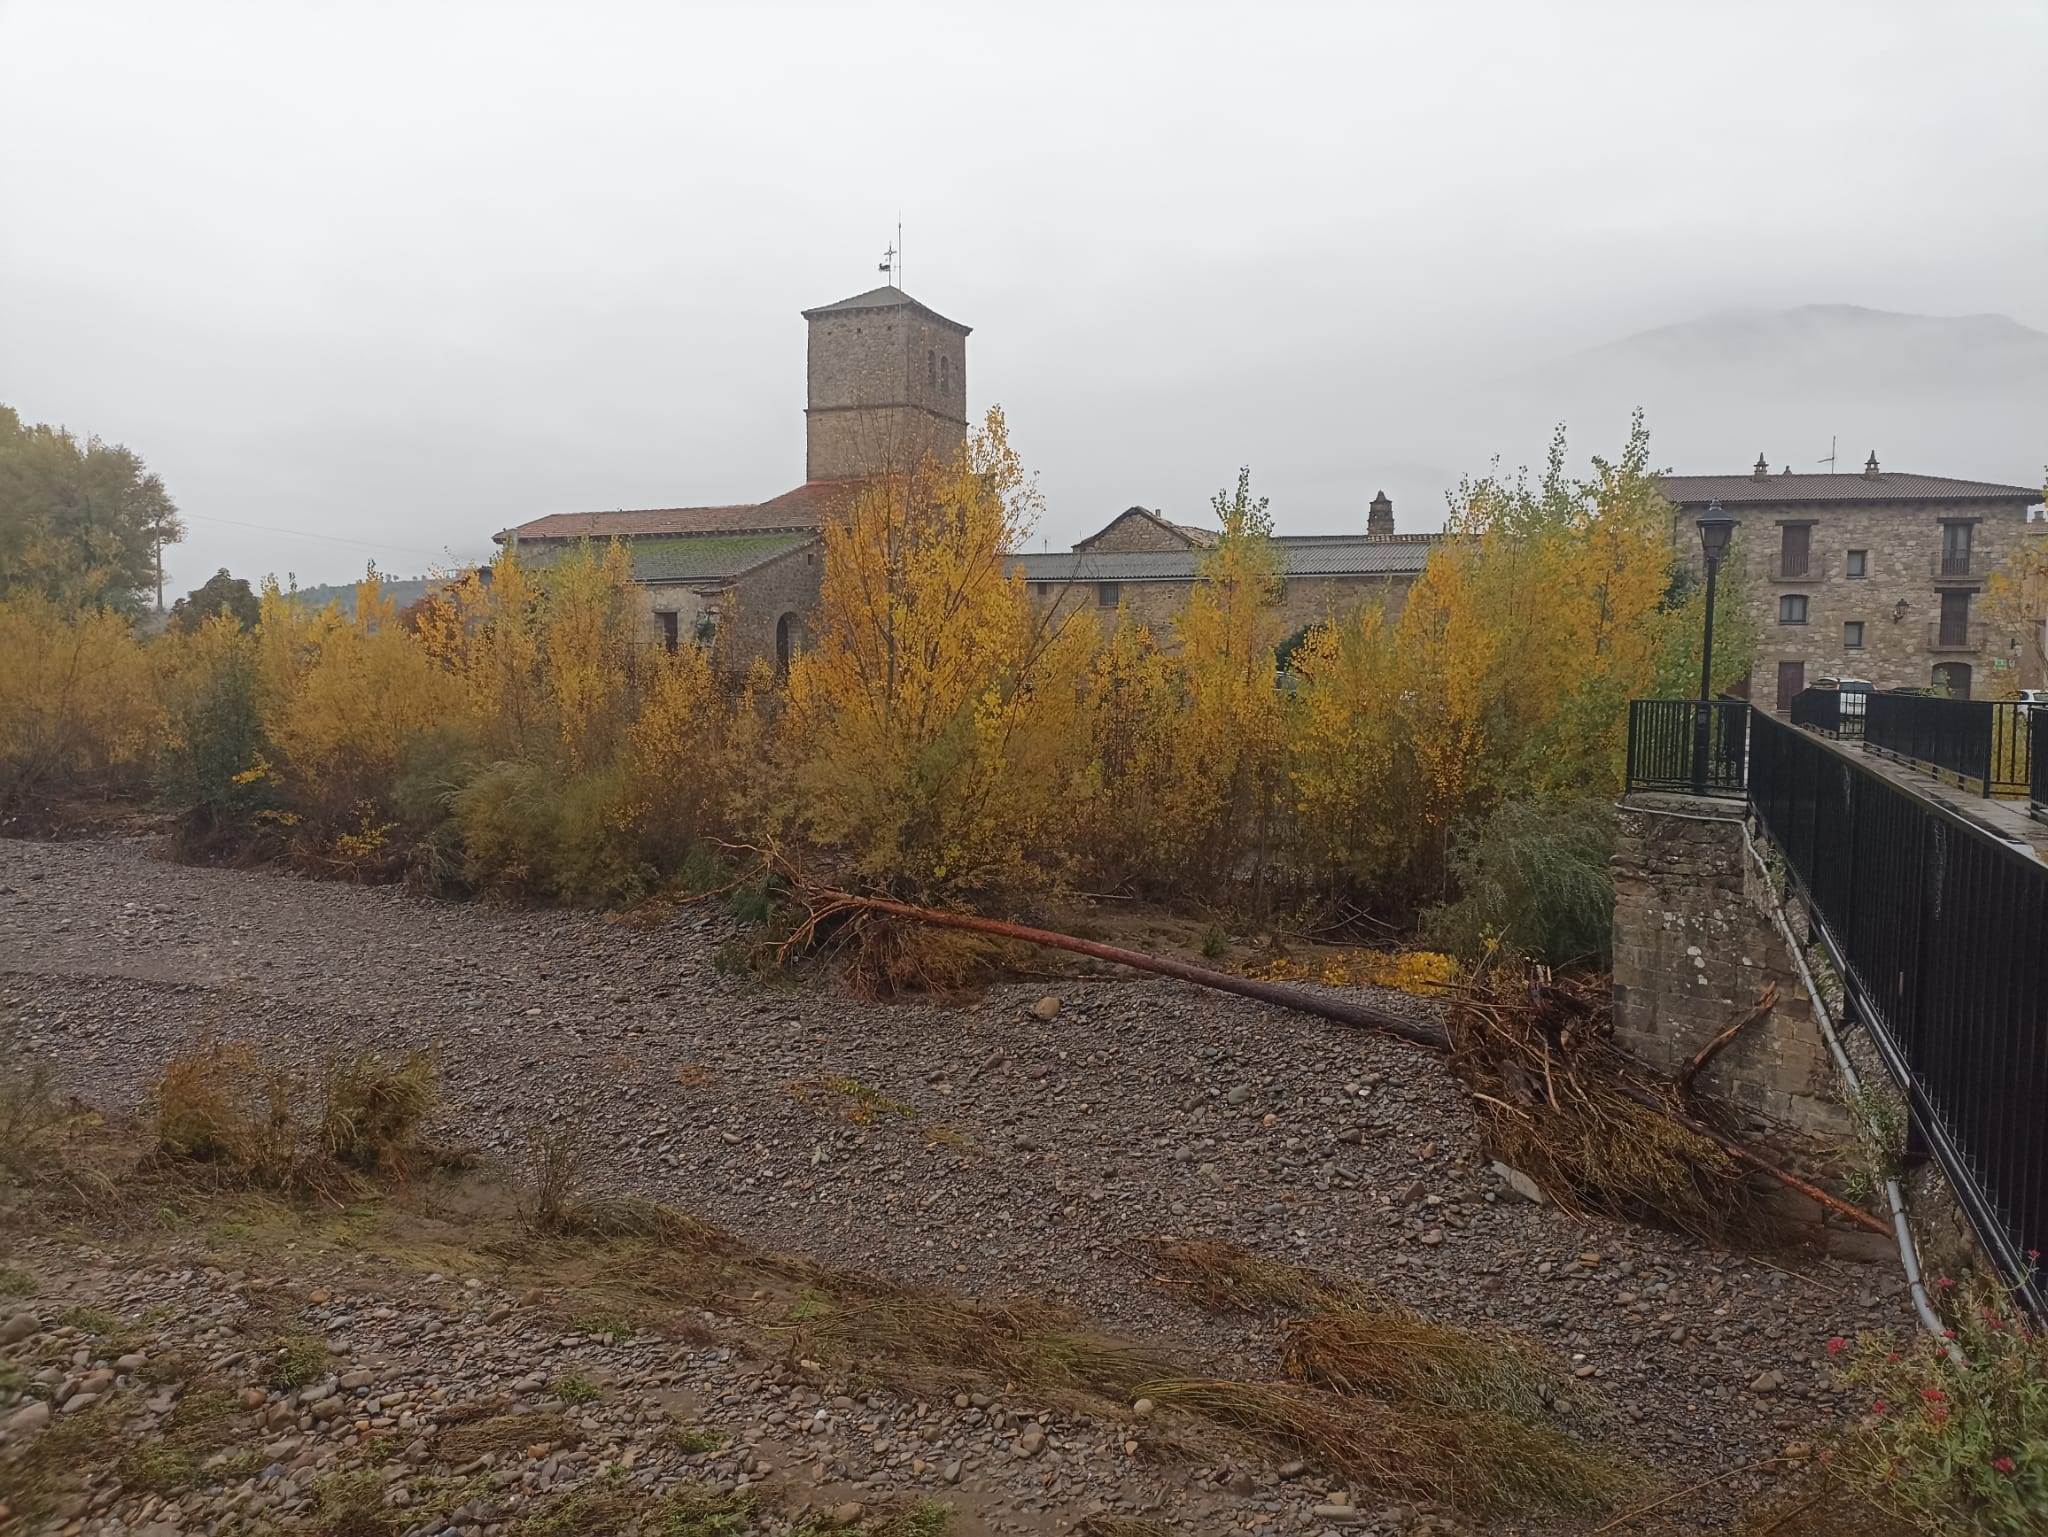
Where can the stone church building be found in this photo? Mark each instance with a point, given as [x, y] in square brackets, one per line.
[1145, 564]
[887, 383]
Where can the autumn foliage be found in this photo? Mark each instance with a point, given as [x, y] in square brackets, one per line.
[944, 738]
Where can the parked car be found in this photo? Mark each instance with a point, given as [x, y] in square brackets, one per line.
[1855, 694]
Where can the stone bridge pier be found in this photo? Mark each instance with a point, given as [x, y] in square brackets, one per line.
[1695, 947]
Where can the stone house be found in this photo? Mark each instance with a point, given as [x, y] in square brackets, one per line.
[1147, 565]
[886, 384]
[1877, 575]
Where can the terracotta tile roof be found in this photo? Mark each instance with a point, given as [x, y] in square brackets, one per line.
[1698, 490]
[797, 509]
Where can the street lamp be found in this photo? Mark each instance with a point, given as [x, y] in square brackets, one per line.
[1716, 529]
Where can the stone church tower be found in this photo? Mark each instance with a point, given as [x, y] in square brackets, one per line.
[888, 384]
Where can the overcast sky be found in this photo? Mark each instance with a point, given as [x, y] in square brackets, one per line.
[401, 275]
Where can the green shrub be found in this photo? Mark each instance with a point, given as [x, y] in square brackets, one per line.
[539, 834]
[1532, 877]
[1949, 1446]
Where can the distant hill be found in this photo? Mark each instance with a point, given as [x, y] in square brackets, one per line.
[1963, 395]
[401, 590]
[1841, 344]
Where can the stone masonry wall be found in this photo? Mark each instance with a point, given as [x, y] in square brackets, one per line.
[1694, 948]
[1129, 532]
[1902, 546]
[1304, 600]
[876, 396]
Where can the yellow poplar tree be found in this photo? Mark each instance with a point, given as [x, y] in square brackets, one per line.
[937, 720]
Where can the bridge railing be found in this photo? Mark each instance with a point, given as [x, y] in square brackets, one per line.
[2038, 771]
[1830, 711]
[1980, 745]
[1939, 931]
[1661, 737]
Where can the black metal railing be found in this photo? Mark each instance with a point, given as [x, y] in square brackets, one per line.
[2037, 735]
[1830, 711]
[1661, 734]
[1939, 931]
[1978, 744]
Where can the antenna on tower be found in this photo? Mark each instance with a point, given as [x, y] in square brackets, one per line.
[1830, 460]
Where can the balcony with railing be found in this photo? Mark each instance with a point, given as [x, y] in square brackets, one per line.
[1956, 636]
[1956, 566]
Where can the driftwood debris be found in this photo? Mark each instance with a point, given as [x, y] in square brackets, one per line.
[1483, 1049]
[1707, 1053]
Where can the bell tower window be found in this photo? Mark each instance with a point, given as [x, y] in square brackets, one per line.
[945, 376]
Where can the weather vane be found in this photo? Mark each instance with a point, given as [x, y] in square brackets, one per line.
[892, 259]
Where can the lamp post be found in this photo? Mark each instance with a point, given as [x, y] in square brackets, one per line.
[1716, 529]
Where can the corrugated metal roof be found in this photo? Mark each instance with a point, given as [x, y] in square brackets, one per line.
[1320, 556]
[1698, 490]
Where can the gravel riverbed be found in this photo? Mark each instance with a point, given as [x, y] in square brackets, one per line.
[999, 1153]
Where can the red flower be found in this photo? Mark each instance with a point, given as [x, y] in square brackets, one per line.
[2004, 1464]
[1893, 1358]
[1933, 1395]
[1939, 1414]
[1837, 1345]
[1879, 1406]
[2033, 1254]
[1944, 1283]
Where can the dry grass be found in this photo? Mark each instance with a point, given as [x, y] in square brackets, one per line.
[1225, 1278]
[1122, 1526]
[372, 1109]
[1474, 1460]
[459, 1444]
[222, 1108]
[1395, 1354]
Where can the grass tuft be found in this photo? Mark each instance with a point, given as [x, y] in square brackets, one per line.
[300, 1357]
[373, 1108]
[459, 1444]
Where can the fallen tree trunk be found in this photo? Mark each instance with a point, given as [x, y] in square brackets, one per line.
[1338, 1010]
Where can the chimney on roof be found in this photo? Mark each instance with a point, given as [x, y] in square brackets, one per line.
[1762, 470]
[1870, 466]
[1379, 517]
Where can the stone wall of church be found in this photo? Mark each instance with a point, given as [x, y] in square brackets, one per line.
[1304, 601]
[846, 445]
[791, 586]
[1130, 532]
[883, 387]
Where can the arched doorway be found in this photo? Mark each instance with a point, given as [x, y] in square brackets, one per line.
[1953, 679]
[789, 640]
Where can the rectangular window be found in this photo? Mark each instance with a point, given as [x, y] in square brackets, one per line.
[1044, 588]
[1852, 635]
[1106, 594]
[1795, 541]
[1792, 609]
[1859, 563]
[1955, 549]
[668, 629]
